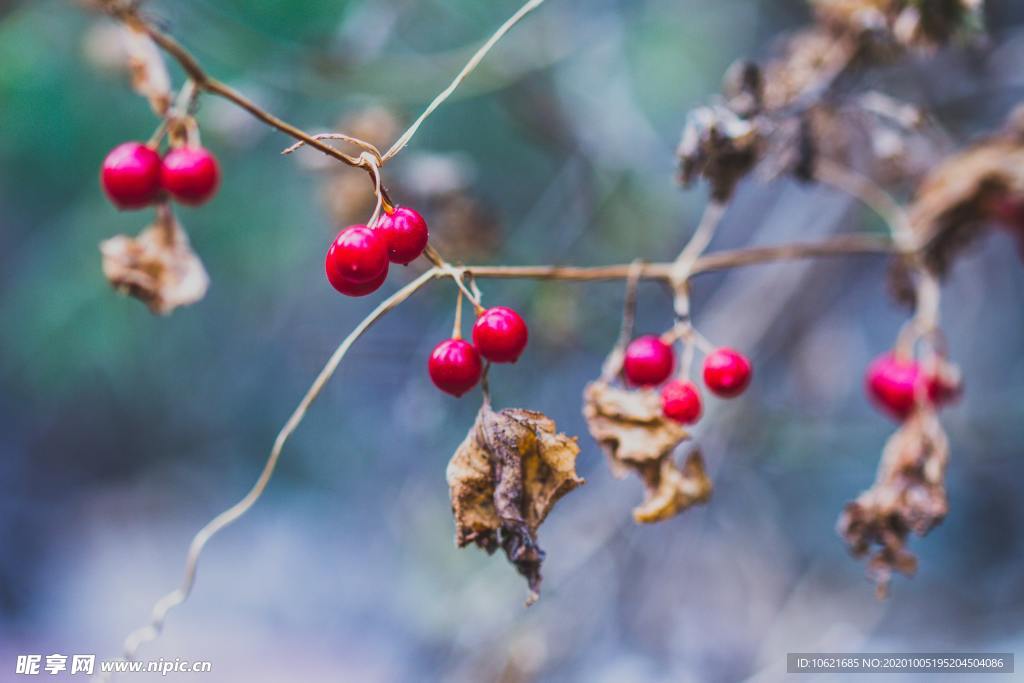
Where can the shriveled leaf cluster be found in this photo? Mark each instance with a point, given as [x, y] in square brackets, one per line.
[504, 479]
[901, 23]
[786, 114]
[908, 496]
[158, 267]
[637, 438]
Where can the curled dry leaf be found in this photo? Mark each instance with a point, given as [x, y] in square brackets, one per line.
[147, 68]
[504, 478]
[719, 146]
[957, 198]
[636, 437]
[902, 23]
[158, 267]
[908, 496]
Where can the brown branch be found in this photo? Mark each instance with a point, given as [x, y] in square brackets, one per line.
[190, 65]
[723, 260]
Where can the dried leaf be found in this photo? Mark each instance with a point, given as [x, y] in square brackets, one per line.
[504, 478]
[908, 496]
[158, 267]
[148, 70]
[955, 201]
[902, 23]
[719, 146]
[636, 437]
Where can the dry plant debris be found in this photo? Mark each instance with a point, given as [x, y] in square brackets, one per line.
[908, 496]
[158, 267]
[504, 479]
[636, 437]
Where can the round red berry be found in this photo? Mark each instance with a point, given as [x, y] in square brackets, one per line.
[500, 334]
[680, 401]
[649, 361]
[406, 234]
[190, 174]
[357, 255]
[454, 366]
[350, 288]
[130, 175]
[892, 384]
[727, 372]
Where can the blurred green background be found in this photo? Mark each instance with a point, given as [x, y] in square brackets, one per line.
[121, 433]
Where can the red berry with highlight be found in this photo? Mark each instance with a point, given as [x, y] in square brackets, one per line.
[357, 255]
[454, 366]
[190, 174]
[130, 175]
[406, 234]
[500, 334]
[350, 288]
[649, 361]
[727, 372]
[892, 384]
[680, 401]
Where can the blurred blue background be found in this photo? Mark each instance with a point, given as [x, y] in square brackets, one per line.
[121, 433]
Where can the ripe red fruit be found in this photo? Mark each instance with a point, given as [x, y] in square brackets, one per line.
[454, 366]
[500, 334]
[130, 175]
[349, 288]
[727, 372]
[892, 384]
[190, 174]
[405, 233]
[649, 361]
[680, 401]
[357, 256]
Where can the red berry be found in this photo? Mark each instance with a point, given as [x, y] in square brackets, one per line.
[454, 366]
[406, 234]
[349, 288]
[944, 389]
[649, 361]
[131, 175]
[892, 384]
[357, 255]
[680, 401]
[727, 372]
[500, 334]
[190, 174]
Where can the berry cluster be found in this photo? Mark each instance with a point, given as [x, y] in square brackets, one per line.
[897, 385]
[358, 258]
[499, 336]
[650, 361]
[134, 176]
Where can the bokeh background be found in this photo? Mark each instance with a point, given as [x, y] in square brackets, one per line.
[121, 433]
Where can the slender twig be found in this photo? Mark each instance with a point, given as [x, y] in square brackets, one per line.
[218, 523]
[722, 260]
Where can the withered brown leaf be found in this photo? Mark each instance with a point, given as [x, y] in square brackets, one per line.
[158, 267]
[908, 496]
[504, 479]
[636, 437]
[904, 23]
[955, 200]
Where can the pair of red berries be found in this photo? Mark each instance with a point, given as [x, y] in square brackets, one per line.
[357, 260]
[649, 362]
[133, 175]
[894, 383]
[499, 335]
